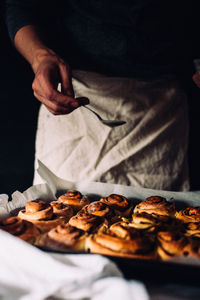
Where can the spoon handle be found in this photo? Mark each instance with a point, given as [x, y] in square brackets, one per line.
[98, 116]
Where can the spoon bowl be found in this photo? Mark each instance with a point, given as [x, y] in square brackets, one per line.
[110, 123]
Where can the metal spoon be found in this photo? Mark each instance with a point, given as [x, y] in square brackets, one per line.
[110, 123]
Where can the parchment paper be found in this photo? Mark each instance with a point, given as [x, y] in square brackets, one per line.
[54, 185]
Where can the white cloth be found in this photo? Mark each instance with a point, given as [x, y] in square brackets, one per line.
[150, 150]
[27, 273]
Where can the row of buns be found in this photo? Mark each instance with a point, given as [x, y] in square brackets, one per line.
[113, 225]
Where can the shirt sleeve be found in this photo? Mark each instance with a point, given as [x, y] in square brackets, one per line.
[19, 13]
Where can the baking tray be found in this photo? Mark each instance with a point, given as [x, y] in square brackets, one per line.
[145, 270]
[149, 271]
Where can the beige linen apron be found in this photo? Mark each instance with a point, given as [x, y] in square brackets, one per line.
[150, 150]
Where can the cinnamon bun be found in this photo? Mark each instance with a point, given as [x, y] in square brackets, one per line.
[64, 237]
[62, 210]
[121, 240]
[145, 221]
[153, 222]
[99, 209]
[85, 221]
[75, 199]
[120, 204]
[21, 229]
[156, 205]
[189, 214]
[172, 244]
[40, 213]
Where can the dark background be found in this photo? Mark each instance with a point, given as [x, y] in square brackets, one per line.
[18, 121]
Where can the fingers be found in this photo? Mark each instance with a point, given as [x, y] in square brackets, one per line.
[66, 82]
[53, 106]
[196, 79]
[49, 74]
[56, 102]
[59, 108]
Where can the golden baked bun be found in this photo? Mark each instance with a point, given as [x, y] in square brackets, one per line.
[189, 214]
[192, 229]
[121, 240]
[120, 204]
[99, 209]
[75, 199]
[64, 237]
[40, 213]
[145, 221]
[153, 222]
[62, 210]
[103, 211]
[85, 221]
[21, 229]
[156, 205]
[172, 244]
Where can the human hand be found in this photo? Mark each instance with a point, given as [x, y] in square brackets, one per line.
[196, 79]
[50, 70]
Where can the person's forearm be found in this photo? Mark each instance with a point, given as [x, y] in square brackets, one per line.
[28, 42]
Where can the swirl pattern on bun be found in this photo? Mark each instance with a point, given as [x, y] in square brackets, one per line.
[99, 209]
[121, 240]
[21, 229]
[75, 199]
[156, 205]
[120, 204]
[62, 210]
[85, 221]
[153, 222]
[64, 237]
[145, 221]
[40, 213]
[189, 214]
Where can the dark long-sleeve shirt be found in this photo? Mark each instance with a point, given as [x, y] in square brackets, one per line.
[132, 38]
